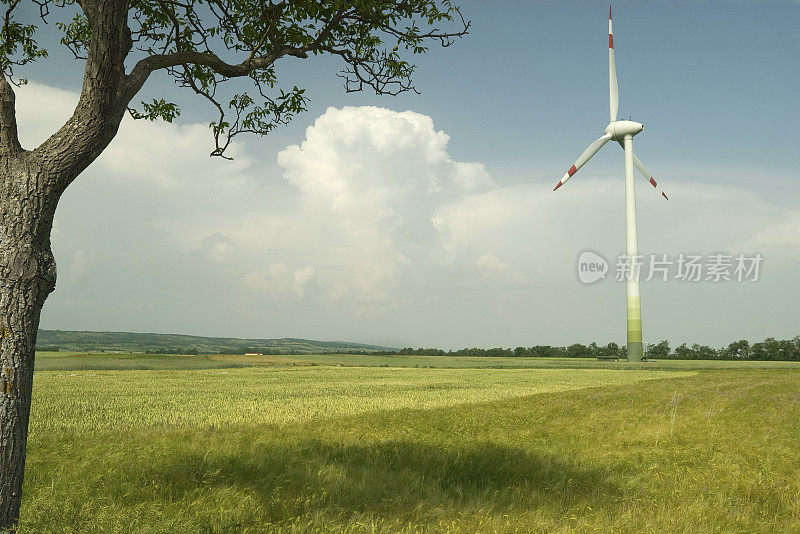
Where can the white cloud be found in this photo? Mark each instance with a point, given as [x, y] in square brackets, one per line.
[41, 110]
[217, 247]
[305, 281]
[273, 281]
[171, 157]
[150, 155]
[368, 229]
[472, 176]
[80, 262]
[369, 166]
[372, 178]
[785, 231]
[496, 270]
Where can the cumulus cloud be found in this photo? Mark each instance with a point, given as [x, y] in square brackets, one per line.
[785, 231]
[370, 166]
[41, 110]
[152, 156]
[271, 281]
[217, 247]
[372, 178]
[80, 262]
[496, 270]
[305, 281]
[368, 229]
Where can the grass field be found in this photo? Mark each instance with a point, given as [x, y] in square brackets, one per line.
[306, 446]
[49, 361]
[217, 398]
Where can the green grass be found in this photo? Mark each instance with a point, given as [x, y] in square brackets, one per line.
[340, 449]
[117, 400]
[460, 362]
[74, 361]
[71, 361]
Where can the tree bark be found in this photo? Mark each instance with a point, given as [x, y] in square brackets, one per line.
[31, 183]
[27, 276]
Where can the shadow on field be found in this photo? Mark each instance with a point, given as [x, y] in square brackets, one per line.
[392, 478]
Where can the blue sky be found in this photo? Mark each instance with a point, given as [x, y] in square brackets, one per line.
[715, 84]
[532, 76]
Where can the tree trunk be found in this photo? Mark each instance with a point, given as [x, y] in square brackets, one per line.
[27, 276]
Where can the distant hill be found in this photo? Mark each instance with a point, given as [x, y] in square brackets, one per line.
[177, 343]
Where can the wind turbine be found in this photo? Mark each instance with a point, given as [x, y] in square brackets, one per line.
[622, 132]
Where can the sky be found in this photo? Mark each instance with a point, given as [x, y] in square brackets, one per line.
[430, 220]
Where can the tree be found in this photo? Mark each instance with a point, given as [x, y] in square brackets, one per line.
[578, 350]
[659, 350]
[703, 352]
[612, 349]
[683, 352]
[738, 350]
[769, 349]
[205, 46]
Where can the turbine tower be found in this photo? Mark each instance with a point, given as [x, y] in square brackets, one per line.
[622, 132]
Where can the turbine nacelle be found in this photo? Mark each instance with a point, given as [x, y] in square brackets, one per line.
[619, 130]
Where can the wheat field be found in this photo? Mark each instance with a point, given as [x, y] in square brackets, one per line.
[287, 448]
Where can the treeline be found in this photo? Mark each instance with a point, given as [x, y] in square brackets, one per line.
[242, 350]
[174, 350]
[769, 349]
[577, 350]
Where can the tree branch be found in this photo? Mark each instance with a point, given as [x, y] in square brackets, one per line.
[142, 70]
[9, 140]
[99, 112]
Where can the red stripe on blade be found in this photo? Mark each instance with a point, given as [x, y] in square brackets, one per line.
[559, 184]
[572, 170]
[609, 11]
[665, 196]
[610, 41]
[653, 182]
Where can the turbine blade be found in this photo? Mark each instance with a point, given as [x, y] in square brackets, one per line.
[649, 177]
[613, 88]
[586, 156]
